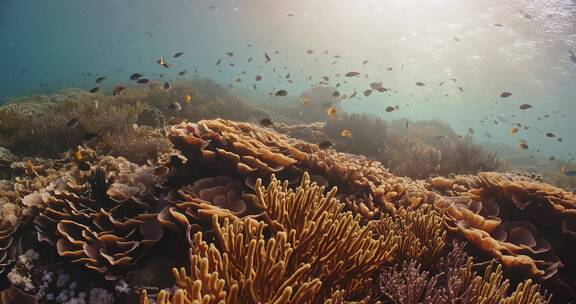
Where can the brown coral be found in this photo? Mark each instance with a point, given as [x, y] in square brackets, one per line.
[105, 218]
[313, 249]
[14, 295]
[524, 223]
[10, 218]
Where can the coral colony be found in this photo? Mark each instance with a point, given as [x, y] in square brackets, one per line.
[182, 210]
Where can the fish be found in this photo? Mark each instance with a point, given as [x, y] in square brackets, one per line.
[326, 78]
[441, 84]
[461, 89]
[266, 122]
[94, 89]
[78, 155]
[166, 85]
[389, 69]
[351, 74]
[391, 109]
[178, 54]
[331, 111]
[73, 123]
[117, 90]
[161, 61]
[570, 173]
[470, 130]
[230, 54]
[267, 57]
[135, 76]
[365, 62]
[367, 92]
[310, 52]
[346, 133]
[281, 93]
[514, 130]
[420, 84]
[175, 106]
[182, 73]
[505, 94]
[83, 166]
[187, 98]
[143, 81]
[456, 39]
[407, 124]
[525, 106]
[219, 61]
[336, 94]
[522, 145]
[552, 158]
[100, 79]
[550, 134]
[498, 25]
[325, 145]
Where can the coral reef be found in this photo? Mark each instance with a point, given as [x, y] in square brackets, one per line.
[267, 218]
[41, 125]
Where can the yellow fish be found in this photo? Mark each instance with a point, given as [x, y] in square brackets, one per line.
[78, 155]
[187, 98]
[305, 101]
[346, 133]
[331, 112]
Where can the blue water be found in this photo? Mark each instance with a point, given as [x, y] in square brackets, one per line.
[51, 45]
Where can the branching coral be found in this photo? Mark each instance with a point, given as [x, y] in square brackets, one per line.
[453, 281]
[421, 234]
[314, 250]
[338, 249]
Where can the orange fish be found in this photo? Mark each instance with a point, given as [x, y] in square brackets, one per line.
[78, 155]
[346, 133]
[331, 112]
[187, 98]
[514, 130]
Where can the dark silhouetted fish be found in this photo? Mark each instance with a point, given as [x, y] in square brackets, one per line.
[143, 81]
[135, 76]
[525, 106]
[351, 74]
[391, 109]
[182, 73]
[505, 94]
[281, 93]
[325, 145]
[117, 90]
[166, 85]
[95, 89]
[175, 106]
[420, 84]
[266, 122]
[100, 79]
[178, 54]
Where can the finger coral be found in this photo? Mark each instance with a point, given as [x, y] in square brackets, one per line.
[314, 248]
[452, 280]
